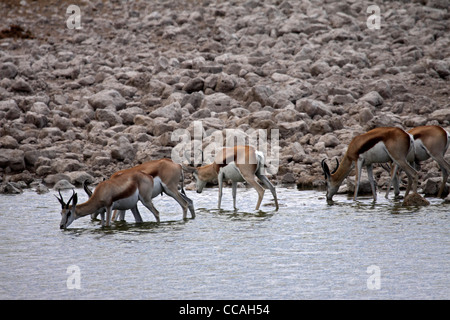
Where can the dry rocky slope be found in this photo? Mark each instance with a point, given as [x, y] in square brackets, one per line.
[80, 104]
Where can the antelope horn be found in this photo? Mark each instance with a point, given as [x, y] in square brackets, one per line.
[60, 199]
[86, 189]
[73, 193]
[325, 169]
[337, 166]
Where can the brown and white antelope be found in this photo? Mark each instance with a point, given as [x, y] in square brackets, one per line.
[166, 175]
[379, 145]
[238, 164]
[122, 192]
[429, 142]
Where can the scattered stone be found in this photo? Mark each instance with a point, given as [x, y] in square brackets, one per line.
[107, 98]
[8, 70]
[309, 69]
[374, 98]
[63, 185]
[415, 200]
[171, 112]
[13, 159]
[41, 189]
[194, 85]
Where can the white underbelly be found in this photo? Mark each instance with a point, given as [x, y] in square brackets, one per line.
[126, 203]
[421, 153]
[157, 187]
[377, 154]
[232, 172]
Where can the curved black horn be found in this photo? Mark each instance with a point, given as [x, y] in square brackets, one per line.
[325, 169]
[337, 166]
[60, 199]
[73, 193]
[86, 189]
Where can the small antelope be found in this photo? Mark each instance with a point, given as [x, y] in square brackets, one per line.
[238, 164]
[121, 193]
[379, 145]
[429, 142]
[166, 175]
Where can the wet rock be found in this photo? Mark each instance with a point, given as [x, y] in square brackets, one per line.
[63, 185]
[41, 189]
[447, 199]
[78, 177]
[288, 178]
[430, 187]
[414, 200]
[66, 165]
[10, 188]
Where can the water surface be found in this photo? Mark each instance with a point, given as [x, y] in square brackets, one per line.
[306, 250]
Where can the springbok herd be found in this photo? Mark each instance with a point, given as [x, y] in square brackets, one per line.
[123, 190]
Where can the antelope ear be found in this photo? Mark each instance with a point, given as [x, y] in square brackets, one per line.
[75, 200]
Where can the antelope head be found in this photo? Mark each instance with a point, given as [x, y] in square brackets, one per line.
[197, 172]
[332, 187]
[200, 181]
[67, 210]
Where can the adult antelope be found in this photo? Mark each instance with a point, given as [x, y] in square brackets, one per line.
[429, 142]
[122, 192]
[167, 175]
[379, 145]
[238, 164]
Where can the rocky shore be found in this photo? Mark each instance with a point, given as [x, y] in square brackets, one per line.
[79, 104]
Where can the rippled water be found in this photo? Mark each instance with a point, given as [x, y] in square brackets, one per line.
[306, 250]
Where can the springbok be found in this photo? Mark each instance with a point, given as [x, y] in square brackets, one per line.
[429, 142]
[166, 175]
[122, 192]
[379, 145]
[238, 164]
